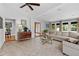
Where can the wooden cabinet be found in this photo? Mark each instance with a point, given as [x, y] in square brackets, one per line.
[24, 35]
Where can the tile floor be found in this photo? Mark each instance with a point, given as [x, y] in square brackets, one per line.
[31, 47]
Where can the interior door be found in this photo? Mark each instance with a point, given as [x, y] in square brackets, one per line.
[37, 29]
[10, 29]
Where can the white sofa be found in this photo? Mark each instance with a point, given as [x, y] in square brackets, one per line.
[70, 49]
[69, 41]
[61, 36]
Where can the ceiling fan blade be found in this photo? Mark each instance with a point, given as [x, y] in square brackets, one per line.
[30, 7]
[23, 5]
[35, 4]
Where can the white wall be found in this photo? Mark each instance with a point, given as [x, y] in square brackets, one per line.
[44, 25]
[2, 34]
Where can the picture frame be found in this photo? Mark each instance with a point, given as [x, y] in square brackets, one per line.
[8, 24]
[24, 23]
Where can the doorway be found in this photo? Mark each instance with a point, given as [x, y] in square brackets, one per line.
[10, 29]
[37, 29]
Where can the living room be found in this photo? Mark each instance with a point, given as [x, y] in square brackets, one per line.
[66, 32]
[59, 20]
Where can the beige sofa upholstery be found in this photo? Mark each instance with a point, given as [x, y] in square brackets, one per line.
[70, 42]
[70, 49]
[74, 35]
[60, 36]
[65, 34]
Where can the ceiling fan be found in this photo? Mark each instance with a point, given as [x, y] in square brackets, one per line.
[29, 5]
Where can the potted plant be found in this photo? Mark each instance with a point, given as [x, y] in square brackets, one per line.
[25, 29]
[45, 31]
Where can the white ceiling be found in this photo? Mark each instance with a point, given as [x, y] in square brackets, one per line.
[45, 12]
[61, 12]
[13, 9]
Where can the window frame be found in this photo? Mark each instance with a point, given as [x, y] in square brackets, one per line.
[57, 26]
[53, 29]
[71, 26]
[68, 26]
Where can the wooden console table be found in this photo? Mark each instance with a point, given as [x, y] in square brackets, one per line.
[24, 35]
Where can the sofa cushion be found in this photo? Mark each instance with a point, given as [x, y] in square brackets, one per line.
[70, 45]
[60, 37]
[59, 33]
[73, 40]
[77, 37]
[65, 34]
[74, 35]
[54, 33]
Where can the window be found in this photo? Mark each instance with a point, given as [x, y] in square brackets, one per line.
[58, 26]
[73, 26]
[65, 26]
[53, 26]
